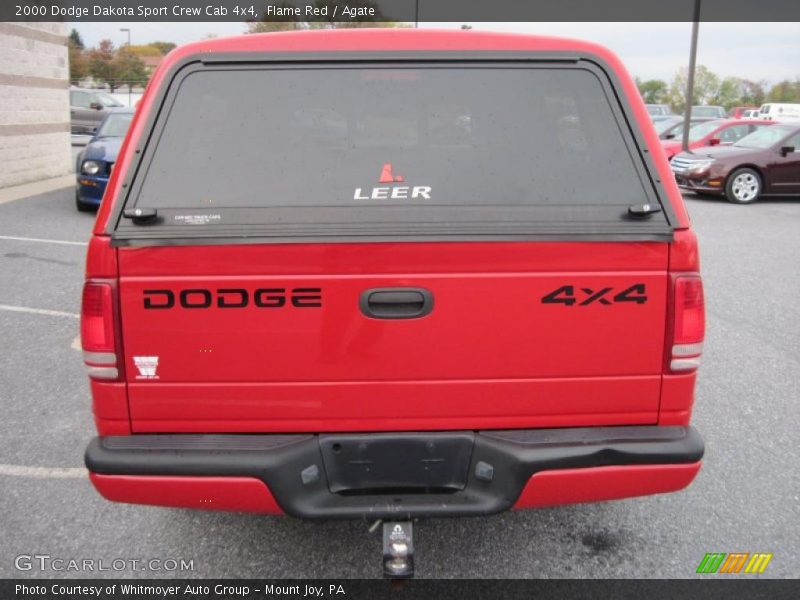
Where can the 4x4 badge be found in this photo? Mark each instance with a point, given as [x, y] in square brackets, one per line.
[566, 295]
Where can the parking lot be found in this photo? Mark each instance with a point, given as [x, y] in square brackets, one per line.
[746, 498]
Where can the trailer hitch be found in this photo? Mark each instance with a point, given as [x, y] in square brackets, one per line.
[398, 550]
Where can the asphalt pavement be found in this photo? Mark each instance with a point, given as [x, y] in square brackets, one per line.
[746, 498]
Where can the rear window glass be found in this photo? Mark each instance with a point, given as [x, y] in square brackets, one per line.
[391, 150]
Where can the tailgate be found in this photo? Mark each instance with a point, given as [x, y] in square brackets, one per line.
[497, 349]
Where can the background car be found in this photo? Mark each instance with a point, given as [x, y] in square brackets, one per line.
[713, 133]
[88, 108]
[738, 112]
[716, 112]
[671, 127]
[783, 112]
[766, 162]
[97, 159]
[658, 109]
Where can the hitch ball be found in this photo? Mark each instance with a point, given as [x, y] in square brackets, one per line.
[398, 550]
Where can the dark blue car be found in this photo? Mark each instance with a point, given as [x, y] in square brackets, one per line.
[98, 158]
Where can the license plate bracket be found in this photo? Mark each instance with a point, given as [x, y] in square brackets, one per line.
[397, 462]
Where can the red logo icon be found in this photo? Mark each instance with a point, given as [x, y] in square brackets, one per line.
[387, 176]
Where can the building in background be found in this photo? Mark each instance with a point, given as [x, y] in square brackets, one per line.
[34, 102]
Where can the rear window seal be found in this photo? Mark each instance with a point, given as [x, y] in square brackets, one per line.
[631, 134]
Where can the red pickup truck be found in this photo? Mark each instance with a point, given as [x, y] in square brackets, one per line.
[353, 274]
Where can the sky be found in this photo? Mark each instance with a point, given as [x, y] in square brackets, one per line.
[757, 51]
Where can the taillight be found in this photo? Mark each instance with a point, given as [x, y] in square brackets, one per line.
[688, 323]
[98, 337]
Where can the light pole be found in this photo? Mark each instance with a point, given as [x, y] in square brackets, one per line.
[687, 112]
[128, 31]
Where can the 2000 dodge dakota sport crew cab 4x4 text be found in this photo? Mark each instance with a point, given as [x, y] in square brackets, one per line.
[354, 274]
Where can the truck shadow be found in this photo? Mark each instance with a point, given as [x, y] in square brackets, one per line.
[599, 540]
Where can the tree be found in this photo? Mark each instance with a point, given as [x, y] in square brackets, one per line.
[76, 40]
[78, 68]
[734, 91]
[145, 50]
[118, 67]
[653, 91]
[729, 93]
[785, 91]
[164, 47]
[129, 68]
[102, 65]
[752, 92]
[706, 86]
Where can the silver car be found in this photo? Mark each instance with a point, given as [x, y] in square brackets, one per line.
[88, 108]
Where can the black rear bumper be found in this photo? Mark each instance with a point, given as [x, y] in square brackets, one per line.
[393, 475]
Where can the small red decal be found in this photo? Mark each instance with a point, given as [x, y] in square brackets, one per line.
[386, 175]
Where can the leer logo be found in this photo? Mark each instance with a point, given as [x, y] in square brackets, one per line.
[720, 562]
[393, 192]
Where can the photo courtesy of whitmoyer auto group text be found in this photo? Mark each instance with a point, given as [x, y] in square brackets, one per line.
[399, 299]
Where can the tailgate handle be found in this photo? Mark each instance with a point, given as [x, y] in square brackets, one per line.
[396, 303]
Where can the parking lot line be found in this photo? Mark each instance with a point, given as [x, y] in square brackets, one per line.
[41, 240]
[42, 472]
[39, 311]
